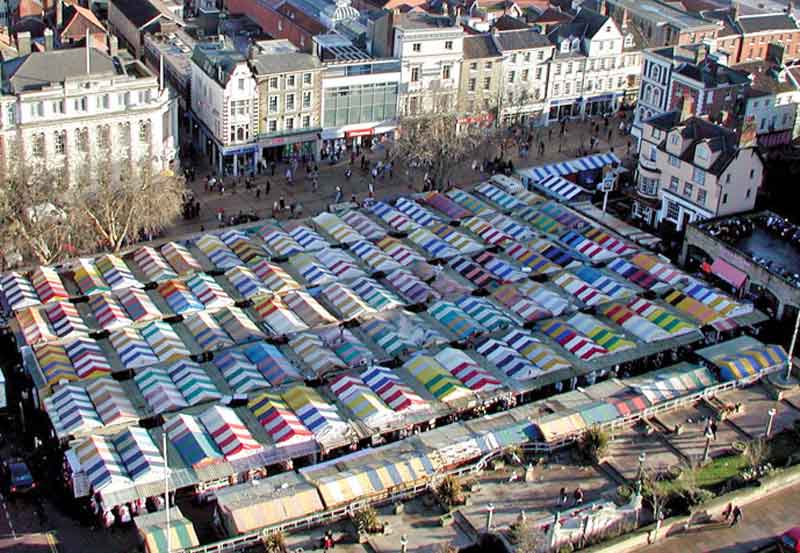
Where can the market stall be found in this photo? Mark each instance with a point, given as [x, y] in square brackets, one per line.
[153, 265]
[392, 217]
[275, 278]
[374, 257]
[179, 297]
[180, 258]
[206, 331]
[580, 346]
[276, 316]
[365, 226]
[116, 272]
[164, 342]
[217, 251]
[271, 363]
[209, 292]
[239, 372]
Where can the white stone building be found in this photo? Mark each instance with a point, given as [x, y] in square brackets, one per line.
[66, 108]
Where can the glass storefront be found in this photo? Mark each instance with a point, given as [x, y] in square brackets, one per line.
[352, 105]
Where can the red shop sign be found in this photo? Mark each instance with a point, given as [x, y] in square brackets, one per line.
[359, 132]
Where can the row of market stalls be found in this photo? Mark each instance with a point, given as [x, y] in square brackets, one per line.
[571, 180]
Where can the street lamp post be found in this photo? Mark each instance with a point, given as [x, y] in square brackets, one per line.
[489, 516]
[771, 419]
[791, 348]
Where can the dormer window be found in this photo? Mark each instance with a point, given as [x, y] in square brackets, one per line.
[628, 40]
[565, 46]
[576, 44]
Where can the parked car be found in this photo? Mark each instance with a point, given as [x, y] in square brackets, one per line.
[20, 478]
[789, 542]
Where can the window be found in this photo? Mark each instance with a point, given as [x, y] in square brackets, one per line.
[672, 211]
[273, 83]
[58, 106]
[525, 75]
[511, 76]
[306, 79]
[725, 198]
[653, 153]
[473, 66]
[413, 103]
[38, 145]
[747, 194]
[487, 83]
[673, 184]
[104, 137]
[415, 74]
[538, 73]
[728, 178]
[291, 81]
[416, 47]
[289, 123]
[557, 69]
[124, 131]
[446, 71]
[106, 103]
[648, 186]
[578, 87]
[273, 104]
[82, 139]
[527, 57]
[556, 89]
[307, 99]
[752, 174]
[272, 125]
[11, 114]
[471, 85]
[306, 121]
[488, 66]
[144, 131]
[540, 55]
[290, 102]
[698, 175]
[513, 58]
[569, 68]
[448, 44]
[687, 189]
[241, 84]
[58, 142]
[674, 161]
[567, 88]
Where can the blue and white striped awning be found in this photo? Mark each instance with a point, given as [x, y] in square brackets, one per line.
[559, 187]
[558, 169]
[595, 161]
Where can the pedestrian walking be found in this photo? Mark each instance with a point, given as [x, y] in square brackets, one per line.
[258, 193]
[274, 209]
[282, 203]
[267, 188]
[562, 496]
[338, 194]
[371, 190]
[291, 209]
[578, 496]
[272, 167]
[737, 515]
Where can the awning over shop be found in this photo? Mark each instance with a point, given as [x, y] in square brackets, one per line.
[728, 273]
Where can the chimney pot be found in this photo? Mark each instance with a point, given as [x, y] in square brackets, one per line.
[113, 46]
[59, 13]
[48, 39]
[24, 43]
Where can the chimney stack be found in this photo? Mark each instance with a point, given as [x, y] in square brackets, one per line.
[48, 39]
[735, 10]
[624, 23]
[700, 54]
[113, 46]
[59, 13]
[603, 8]
[687, 108]
[24, 43]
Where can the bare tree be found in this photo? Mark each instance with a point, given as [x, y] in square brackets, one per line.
[529, 538]
[435, 143]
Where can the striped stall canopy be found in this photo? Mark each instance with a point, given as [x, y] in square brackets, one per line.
[102, 464]
[108, 311]
[490, 234]
[313, 352]
[750, 361]
[411, 288]
[535, 351]
[574, 286]
[362, 401]
[398, 251]
[446, 205]
[472, 271]
[194, 444]
[506, 359]
[525, 308]
[499, 197]
[308, 239]
[337, 229]
[553, 302]
[635, 324]
[661, 270]
[600, 333]
[345, 301]
[34, 326]
[558, 187]
[311, 269]
[179, 258]
[246, 282]
[670, 383]
[374, 257]
[308, 309]
[594, 161]
[389, 215]
[217, 251]
[88, 279]
[65, 319]
[159, 391]
[48, 284]
[469, 202]
[692, 307]
[458, 240]
[71, 411]
[340, 264]
[207, 332]
[484, 312]
[606, 284]
[554, 253]
[316, 414]
[510, 227]
[537, 173]
[660, 316]
[179, 297]
[54, 364]
[628, 403]
[271, 362]
[240, 373]
[454, 319]
[392, 390]
[541, 221]
[238, 325]
[716, 300]
[139, 455]
[609, 242]
[88, 359]
[138, 305]
[131, 349]
[636, 274]
[18, 291]
[387, 337]
[577, 344]
[504, 271]
[586, 247]
[279, 420]
[436, 379]
[154, 535]
[193, 382]
[116, 272]
[416, 212]
[230, 433]
[242, 246]
[375, 295]
[153, 265]
[345, 345]
[565, 216]
[206, 289]
[275, 278]
[598, 412]
[560, 425]
[276, 316]
[463, 367]
[528, 197]
[365, 226]
[434, 247]
[165, 342]
[531, 259]
[280, 243]
[512, 185]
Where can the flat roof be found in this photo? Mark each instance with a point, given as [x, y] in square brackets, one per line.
[662, 13]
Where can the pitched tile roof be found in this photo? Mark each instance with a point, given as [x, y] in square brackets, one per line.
[479, 47]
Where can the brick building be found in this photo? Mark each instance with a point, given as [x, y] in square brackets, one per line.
[747, 38]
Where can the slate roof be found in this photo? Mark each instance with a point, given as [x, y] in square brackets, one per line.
[138, 12]
[764, 79]
[480, 47]
[40, 69]
[210, 56]
[695, 131]
[525, 39]
[284, 63]
[584, 25]
[767, 22]
[508, 23]
[712, 74]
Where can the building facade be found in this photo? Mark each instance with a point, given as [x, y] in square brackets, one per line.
[70, 109]
[747, 38]
[771, 104]
[526, 61]
[661, 23]
[481, 81]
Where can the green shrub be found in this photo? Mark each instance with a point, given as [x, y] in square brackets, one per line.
[593, 445]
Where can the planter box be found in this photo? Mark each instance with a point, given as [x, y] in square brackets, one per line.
[446, 520]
